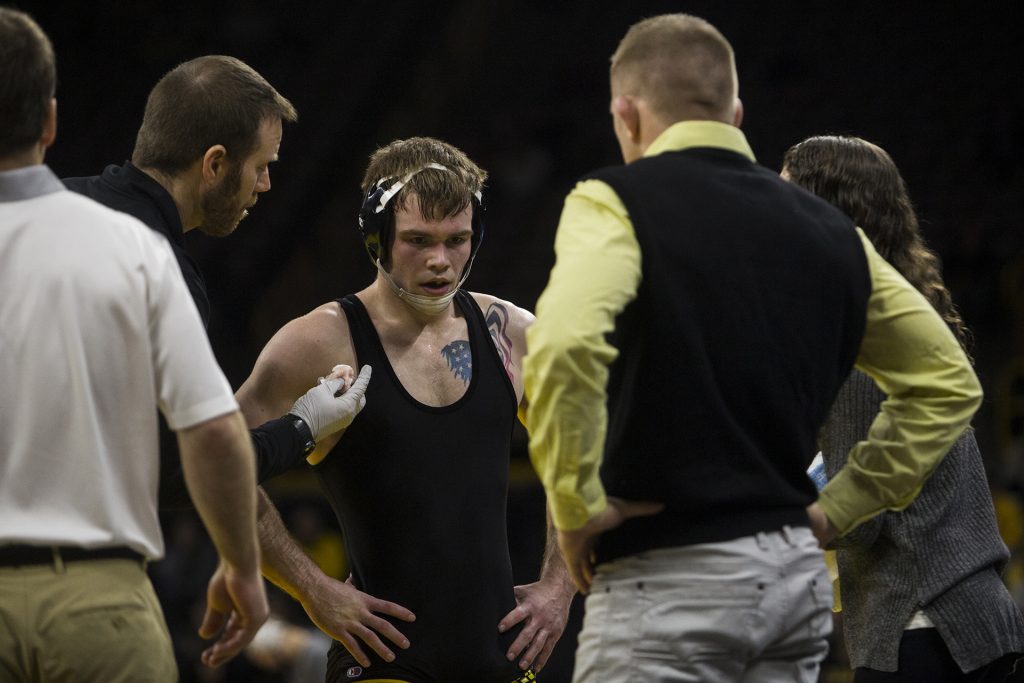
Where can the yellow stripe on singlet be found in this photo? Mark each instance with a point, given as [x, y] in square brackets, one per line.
[527, 677]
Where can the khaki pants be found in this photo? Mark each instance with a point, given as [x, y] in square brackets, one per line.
[82, 622]
[753, 610]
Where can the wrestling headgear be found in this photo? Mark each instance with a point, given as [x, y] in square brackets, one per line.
[376, 222]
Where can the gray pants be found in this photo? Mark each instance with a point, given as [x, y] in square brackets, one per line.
[754, 609]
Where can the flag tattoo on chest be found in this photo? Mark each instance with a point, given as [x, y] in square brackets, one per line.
[460, 359]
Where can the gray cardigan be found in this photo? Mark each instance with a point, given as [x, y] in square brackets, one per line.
[943, 554]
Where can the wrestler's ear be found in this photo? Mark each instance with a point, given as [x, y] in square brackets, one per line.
[737, 117]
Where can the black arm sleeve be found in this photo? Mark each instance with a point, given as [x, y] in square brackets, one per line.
[279, 447]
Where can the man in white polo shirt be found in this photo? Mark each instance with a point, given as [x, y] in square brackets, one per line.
[96, 329]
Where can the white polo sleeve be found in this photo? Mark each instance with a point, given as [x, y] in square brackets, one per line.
[191, 388]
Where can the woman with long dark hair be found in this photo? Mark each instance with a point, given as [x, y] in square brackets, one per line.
[922, 595]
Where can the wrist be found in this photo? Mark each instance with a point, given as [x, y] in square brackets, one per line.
[310, 583]
[304, 432]
[243, 568]
[557, 575]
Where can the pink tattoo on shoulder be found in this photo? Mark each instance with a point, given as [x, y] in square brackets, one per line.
[496, 318]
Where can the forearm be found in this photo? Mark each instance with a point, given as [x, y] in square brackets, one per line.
[279, 448]
[905, 444]
[217, 460]
[285, 563]
[568, 421]
[553, 567]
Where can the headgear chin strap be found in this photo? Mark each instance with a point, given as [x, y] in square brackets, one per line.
[375, 224]
[431, 305]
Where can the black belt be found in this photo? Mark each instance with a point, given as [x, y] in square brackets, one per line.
[26, 555]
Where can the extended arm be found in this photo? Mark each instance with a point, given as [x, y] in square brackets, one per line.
[281, 444]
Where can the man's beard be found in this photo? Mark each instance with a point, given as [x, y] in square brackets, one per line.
[221, 211]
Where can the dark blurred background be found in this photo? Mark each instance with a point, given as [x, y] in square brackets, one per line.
[522, 88]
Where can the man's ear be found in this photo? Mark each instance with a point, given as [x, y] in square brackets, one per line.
[214, 164]
[737, 119]
[625, 109]
[49, 124]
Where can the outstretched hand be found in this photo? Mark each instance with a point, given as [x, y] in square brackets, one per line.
[236, 607]
[578, 545]
[347, 614]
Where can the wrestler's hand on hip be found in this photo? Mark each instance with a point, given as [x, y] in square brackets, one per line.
[543, 609]
[349, 615]
[577, 545]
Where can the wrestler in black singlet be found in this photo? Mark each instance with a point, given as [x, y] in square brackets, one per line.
[420, 494]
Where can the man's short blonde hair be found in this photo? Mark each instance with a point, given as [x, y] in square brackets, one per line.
[680, 65]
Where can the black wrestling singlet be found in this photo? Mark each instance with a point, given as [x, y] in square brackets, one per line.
[420, 495]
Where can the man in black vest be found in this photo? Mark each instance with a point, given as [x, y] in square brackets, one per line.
[674, 449]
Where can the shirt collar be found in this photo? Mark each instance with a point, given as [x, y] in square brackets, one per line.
[28, 182]
[685, 134]
[132, 180]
